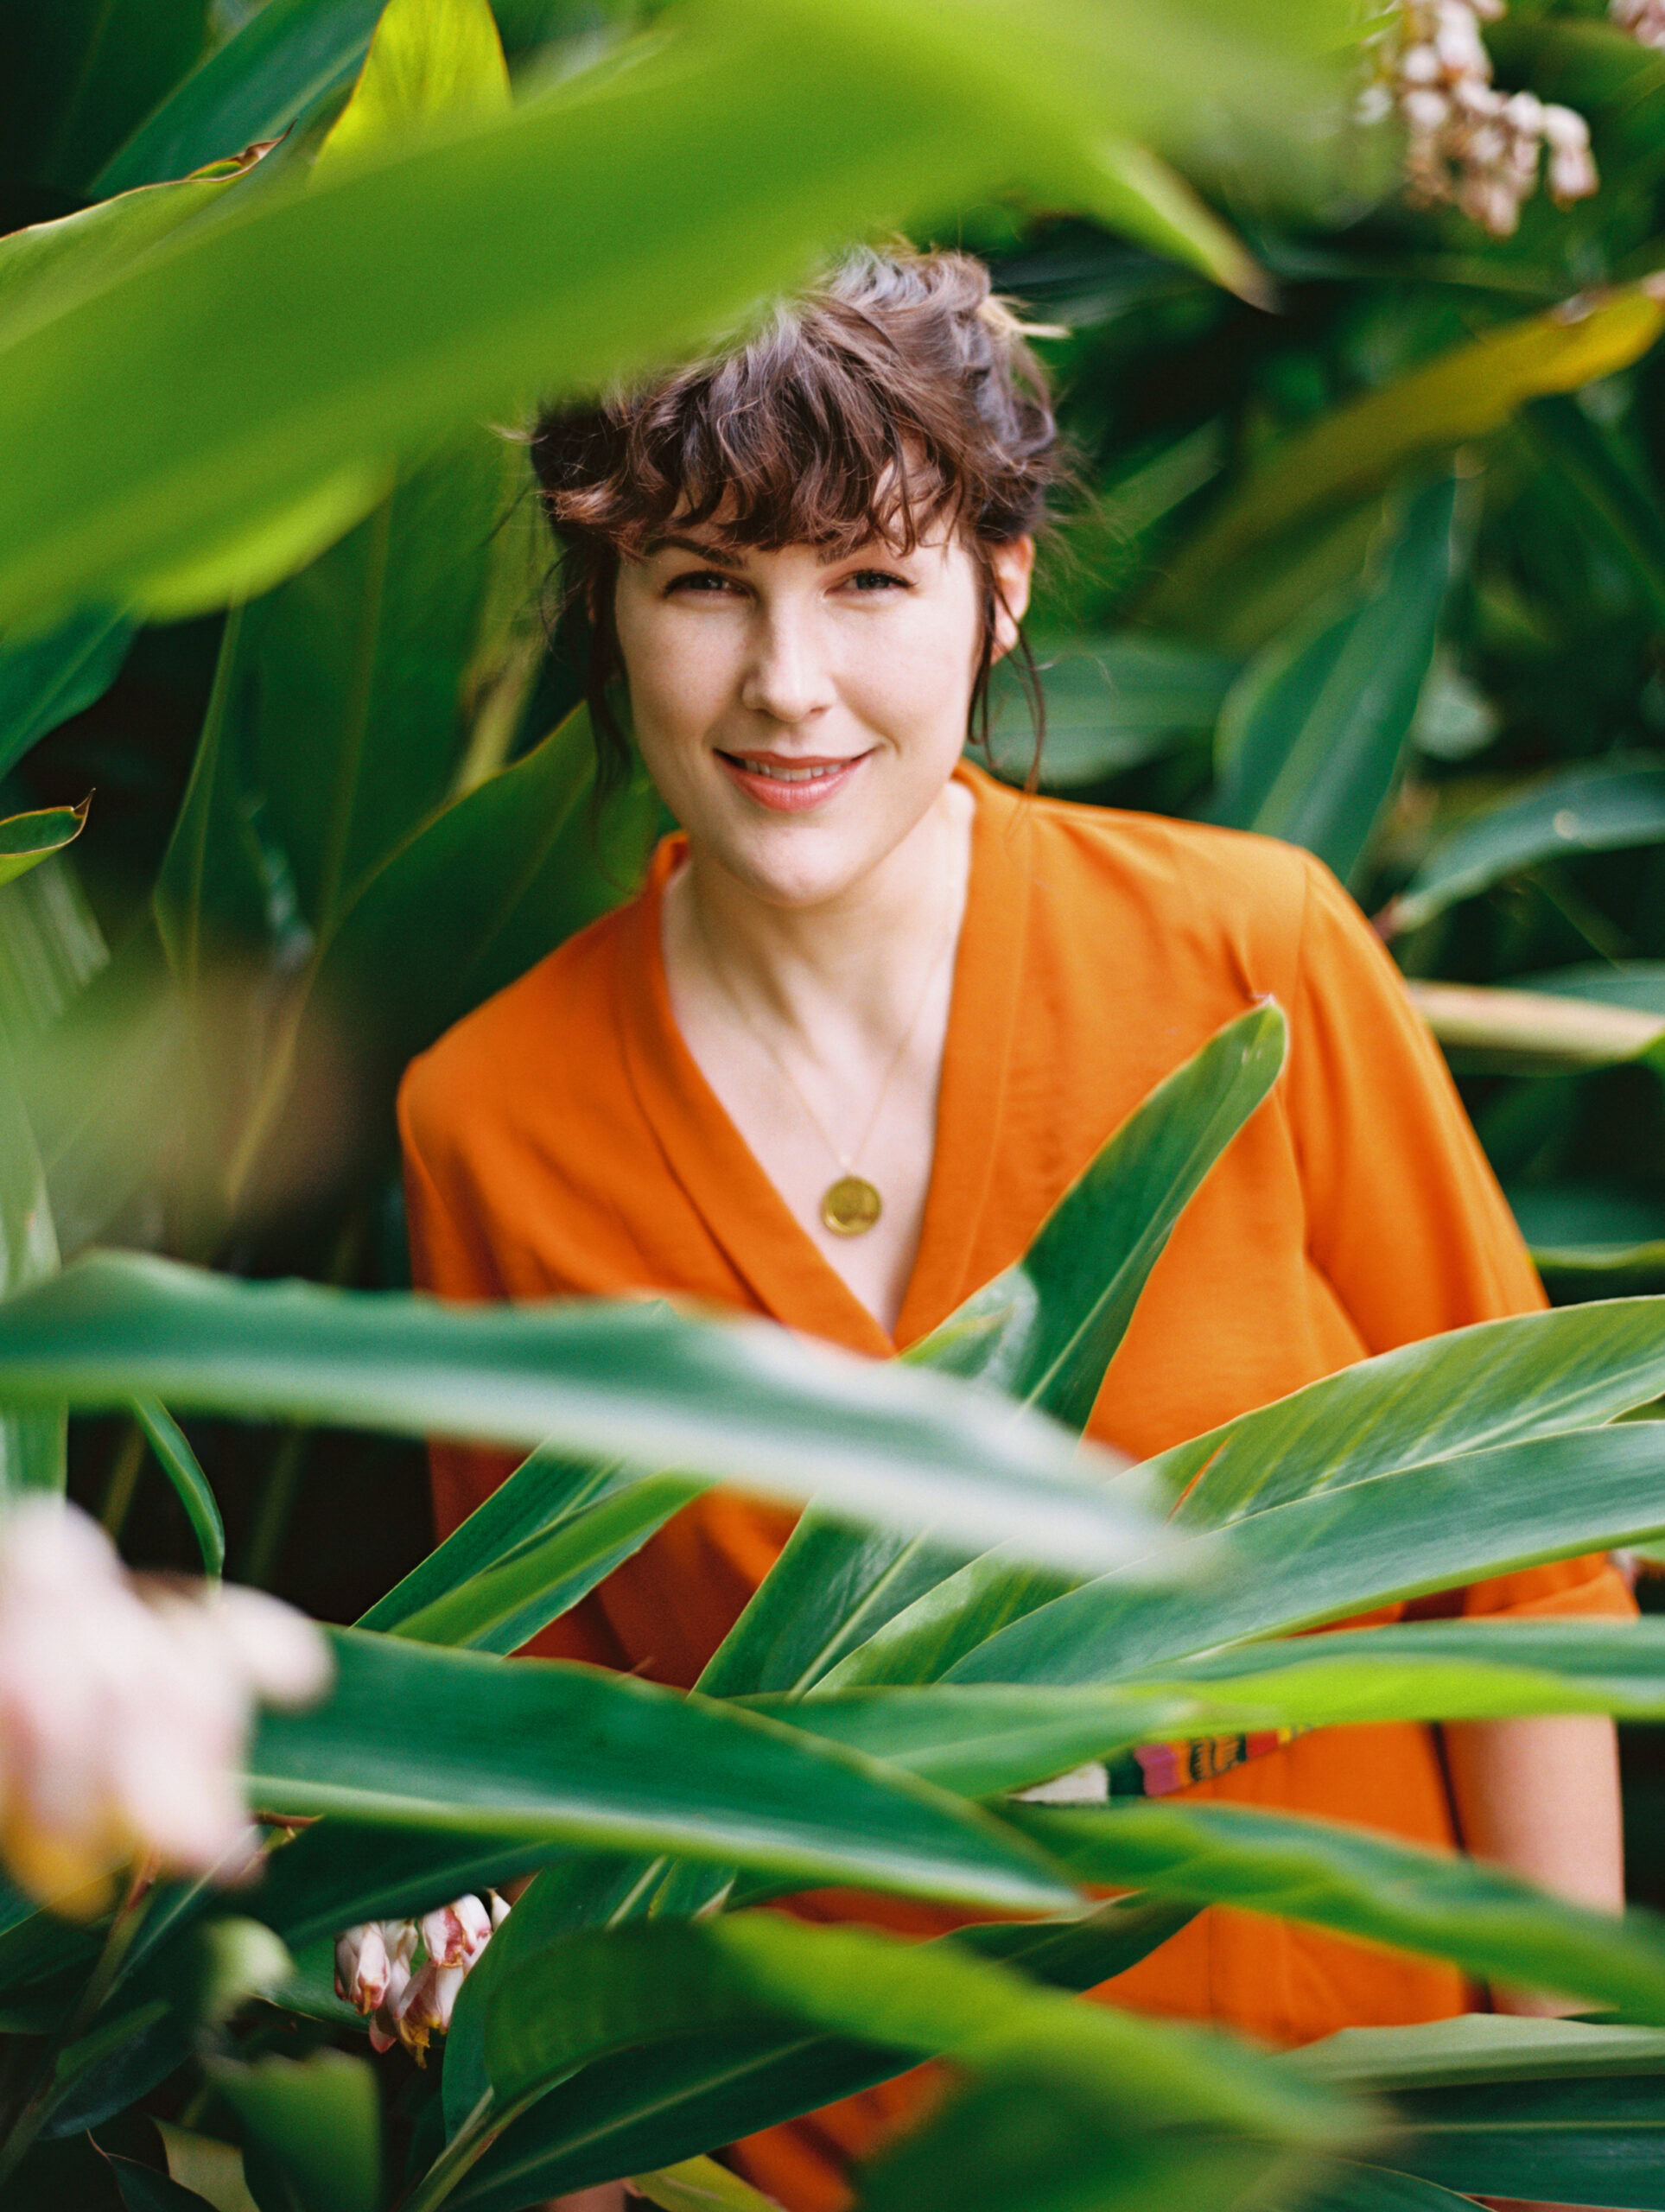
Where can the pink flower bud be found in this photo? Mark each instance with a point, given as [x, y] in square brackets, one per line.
[1565, 129]
[456, 1934]
[1425, 111]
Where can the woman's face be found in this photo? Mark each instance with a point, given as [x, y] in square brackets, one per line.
[800, 715]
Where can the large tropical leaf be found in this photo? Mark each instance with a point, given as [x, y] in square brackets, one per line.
[978, 1738]
[1044, 1331]
[602, 1992]
[47, 679]
[1345, 1551]
[1495, 1383]
[338, 709]
[533, 1548]
[458, 1742]
[1461, 394]
[1111, 704]
[1594, 810]
[738, 1401]
[1312, 737]
[1491, 1923]
[602, 223]
[1591, 2142]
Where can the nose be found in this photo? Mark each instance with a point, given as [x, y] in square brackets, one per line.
[787, 676]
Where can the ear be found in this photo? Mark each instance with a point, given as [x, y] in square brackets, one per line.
[1014, 564]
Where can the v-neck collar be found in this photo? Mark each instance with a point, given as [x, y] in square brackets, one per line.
[775, 1255]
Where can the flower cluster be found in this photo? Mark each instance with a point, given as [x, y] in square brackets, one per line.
[1467, 144]
[405, 1999]
[125, 1704]
[1644, 19]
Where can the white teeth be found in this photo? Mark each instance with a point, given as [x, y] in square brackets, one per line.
[780, 774]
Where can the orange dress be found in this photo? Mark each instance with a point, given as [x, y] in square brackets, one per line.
[562, 1141]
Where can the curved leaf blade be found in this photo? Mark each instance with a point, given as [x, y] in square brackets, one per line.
[1342, 1552]
[415, 1736]
[741, 1402]
[1369, 1887]
[26, 840]
[1596, 809]
[1493, 1384]
[179, 1464]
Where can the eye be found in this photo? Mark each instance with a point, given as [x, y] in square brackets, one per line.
[699, 583]
[877, 580]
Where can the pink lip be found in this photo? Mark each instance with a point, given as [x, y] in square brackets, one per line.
[794, 798]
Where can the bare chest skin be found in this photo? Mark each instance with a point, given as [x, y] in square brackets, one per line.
[837, 1054]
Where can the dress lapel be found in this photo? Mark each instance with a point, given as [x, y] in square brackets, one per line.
[987, 971]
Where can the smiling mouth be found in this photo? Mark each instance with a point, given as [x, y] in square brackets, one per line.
[791, 771]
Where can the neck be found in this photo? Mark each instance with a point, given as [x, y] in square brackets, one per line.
[860, 957]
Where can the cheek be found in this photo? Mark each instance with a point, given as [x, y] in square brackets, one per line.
[915, 677]
[677, 671]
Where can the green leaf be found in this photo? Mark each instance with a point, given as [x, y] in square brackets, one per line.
[1044, 1331]
[1365, 1886]
[1111, 704]
[1466, 392]
[144, 2190]
[978, 1738]
[1611, 485]
[46, 267]
[1046, 2143]
[1344, 1552]
[317, 2119]
[479, 893]
[80, 74]
[1579, 2142]
[427, 58]
[737, 1401]
[1313, 735]
[1602, 808]
[26, 840]
[1346, 2187]
[606, 1990]
[454, 1741]
[599, 224]
[342, 692]
[1479, 2047]
[699, 2185]
[1495, 1383]
[249, 89]
[32, 1442]
[179, 1463]
[251, 554]
[499, 1606]
[46, 679]
[617, 2115]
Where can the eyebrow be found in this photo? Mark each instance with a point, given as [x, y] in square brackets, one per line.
[718, 556]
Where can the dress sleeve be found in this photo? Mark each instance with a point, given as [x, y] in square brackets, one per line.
[1405, 1216]
[448, 1259]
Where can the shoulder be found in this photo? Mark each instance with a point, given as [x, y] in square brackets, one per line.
[1210, 891]
[516, 1058]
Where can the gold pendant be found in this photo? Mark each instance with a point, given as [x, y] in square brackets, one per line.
[850, 1206]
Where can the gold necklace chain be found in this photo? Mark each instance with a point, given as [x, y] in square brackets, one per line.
[851, 1205]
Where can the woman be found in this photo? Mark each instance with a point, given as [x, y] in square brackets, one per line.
[872, 1014]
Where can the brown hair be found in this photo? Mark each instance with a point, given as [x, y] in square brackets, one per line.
[894, 395]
